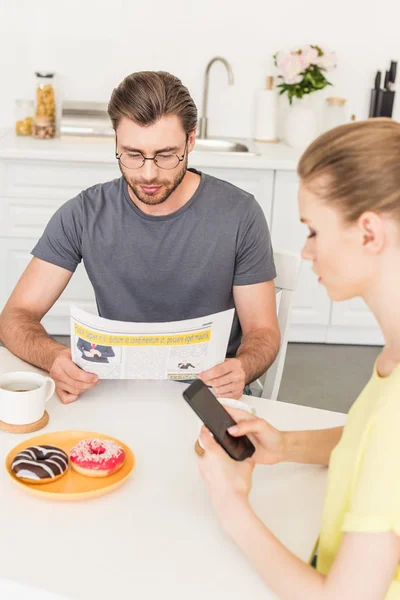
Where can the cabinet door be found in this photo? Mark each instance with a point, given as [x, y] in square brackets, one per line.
[311, 308]
[352, 322]
[258, 183]
[15, 256]
[56, 180]
[22, 217]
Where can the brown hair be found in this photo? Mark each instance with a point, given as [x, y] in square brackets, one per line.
[357, 166]
[146, 96]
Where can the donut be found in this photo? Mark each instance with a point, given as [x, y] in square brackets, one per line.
[40, 464]
[96, 457]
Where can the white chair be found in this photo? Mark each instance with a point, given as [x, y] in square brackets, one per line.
[287, 268]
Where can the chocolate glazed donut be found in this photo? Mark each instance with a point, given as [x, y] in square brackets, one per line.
[40, 463]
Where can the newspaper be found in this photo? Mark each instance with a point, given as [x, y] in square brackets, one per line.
[177, 350]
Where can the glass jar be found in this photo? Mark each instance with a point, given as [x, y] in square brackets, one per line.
[24, 111]
[335, 112]
[44, 125]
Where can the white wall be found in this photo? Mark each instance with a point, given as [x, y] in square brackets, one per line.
[93, 44]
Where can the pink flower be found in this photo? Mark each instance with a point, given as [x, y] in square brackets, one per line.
[291, 66]
[308, 56]
[327, 61]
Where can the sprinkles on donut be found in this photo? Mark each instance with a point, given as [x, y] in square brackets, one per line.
[97, 457]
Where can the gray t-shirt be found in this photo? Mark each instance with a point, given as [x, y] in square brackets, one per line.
[166, 268]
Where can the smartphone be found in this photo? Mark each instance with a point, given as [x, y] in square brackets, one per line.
[217, 419]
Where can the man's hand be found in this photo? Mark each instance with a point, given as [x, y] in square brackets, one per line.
[70, 380]
[227, 379]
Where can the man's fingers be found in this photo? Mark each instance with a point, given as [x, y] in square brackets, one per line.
[228, 379]
[70, 380]
[229, 388]
[72, 387]
[218, 371]
[77, 374]
[65, 397]
[78, 386]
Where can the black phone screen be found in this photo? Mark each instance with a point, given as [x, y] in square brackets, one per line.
[217, 419]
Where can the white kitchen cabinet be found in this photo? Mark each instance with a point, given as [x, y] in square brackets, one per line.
[53, 179]
[30, 192]
[15, 256]
[311, 307]
[352, 322]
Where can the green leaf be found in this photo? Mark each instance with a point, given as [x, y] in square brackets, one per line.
[320, 51]
[310, 78]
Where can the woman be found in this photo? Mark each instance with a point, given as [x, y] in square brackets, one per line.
[349, 197]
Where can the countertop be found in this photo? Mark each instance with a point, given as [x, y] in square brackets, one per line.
[276, 156]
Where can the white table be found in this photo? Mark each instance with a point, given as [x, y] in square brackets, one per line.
[11, 590]
[156, 534]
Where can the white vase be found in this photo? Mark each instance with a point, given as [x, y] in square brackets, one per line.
[300, 126]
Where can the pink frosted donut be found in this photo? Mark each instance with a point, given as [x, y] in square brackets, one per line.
[96, 457]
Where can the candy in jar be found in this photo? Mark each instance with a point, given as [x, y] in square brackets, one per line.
[44, 125]
[24, 110]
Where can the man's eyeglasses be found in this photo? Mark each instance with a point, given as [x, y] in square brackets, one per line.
[163, 160]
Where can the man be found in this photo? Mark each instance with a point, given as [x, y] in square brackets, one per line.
[161, 243]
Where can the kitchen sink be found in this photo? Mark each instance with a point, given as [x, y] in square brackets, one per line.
[219, 145]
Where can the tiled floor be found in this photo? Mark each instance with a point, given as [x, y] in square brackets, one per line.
[326, 376]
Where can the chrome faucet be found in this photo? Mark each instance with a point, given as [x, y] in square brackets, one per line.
[203, 122]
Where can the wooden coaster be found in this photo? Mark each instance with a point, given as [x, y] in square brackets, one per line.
[198, 449]
[28, 428]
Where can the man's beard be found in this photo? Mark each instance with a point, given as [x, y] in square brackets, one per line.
[168, 186]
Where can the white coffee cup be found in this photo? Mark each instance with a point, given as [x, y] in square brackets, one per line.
[230, 403]
[23, 396]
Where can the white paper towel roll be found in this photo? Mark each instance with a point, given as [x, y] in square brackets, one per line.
[266, 114]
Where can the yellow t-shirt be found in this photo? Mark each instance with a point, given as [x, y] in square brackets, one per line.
[363, 492]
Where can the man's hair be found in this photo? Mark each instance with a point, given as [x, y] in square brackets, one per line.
[146, 96]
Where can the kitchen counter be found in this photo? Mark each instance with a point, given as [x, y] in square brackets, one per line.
[272, 156]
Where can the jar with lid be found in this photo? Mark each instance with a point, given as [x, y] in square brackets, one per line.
[24, 111]
[334, 113]
[44, 125]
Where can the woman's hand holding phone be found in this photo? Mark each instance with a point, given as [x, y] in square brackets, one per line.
[268, 441]
[228, 481]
